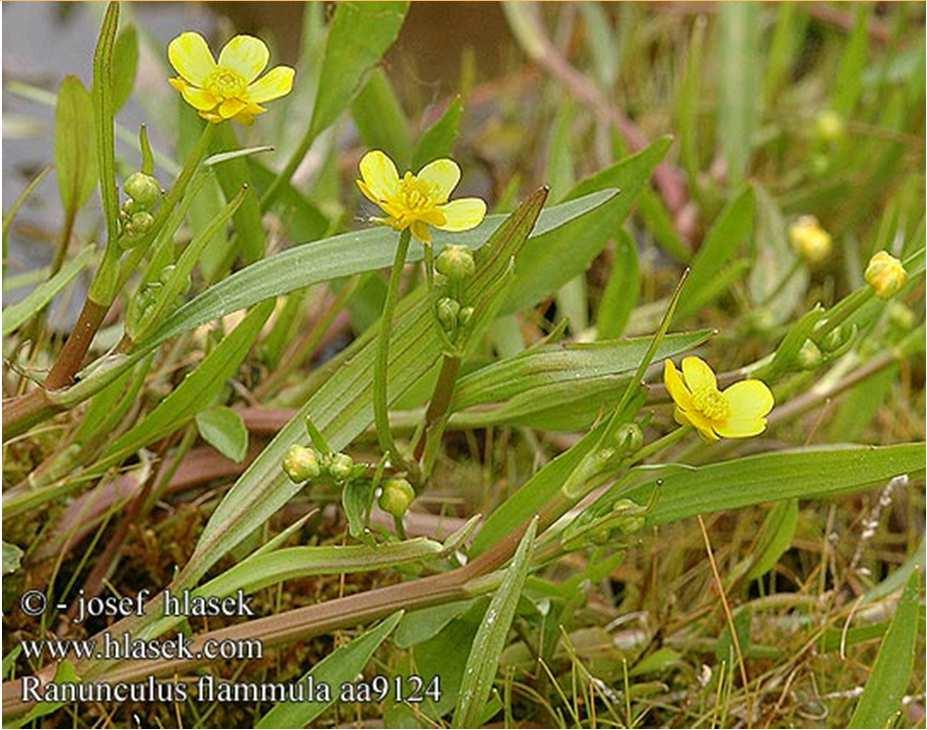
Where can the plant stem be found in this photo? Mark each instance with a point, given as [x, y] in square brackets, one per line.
[438, 407]
[380, 384]
[283, 178]
[661, 443]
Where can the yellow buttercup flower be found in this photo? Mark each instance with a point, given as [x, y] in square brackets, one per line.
[737, 412]
[886, 275]
[421, 200]
[809, 240]
[229, 89]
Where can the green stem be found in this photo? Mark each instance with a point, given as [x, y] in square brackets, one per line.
[282, 179]
[661, 443]
[380, 396]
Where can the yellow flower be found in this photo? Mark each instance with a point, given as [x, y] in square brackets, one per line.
[885, 274]
[229, 89]
[809, 240]
[829, 125]
[737, 412]
[418, 201]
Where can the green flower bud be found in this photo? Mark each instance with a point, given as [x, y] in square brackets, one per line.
[456, 263]
[138, 224]
[396, 496]
[301, 464]
[466, 313]
[809, 356]
[143, 189]
[629, 437]
[447, 310]
[341, 466]
[129, 207]
[835, 339]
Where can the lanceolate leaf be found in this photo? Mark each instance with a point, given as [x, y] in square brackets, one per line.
[342, 665]
[438, 140]
[802, 473]
[75, 159]
[223, 429]
[491, 638]
[881, 700]
[360, 33]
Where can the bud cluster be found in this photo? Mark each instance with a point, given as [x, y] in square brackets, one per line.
[455, 264]
[143, 193]
[305, 464]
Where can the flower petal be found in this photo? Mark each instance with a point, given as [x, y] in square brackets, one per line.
[749, 399]
[462, 214]
[197, 98]
[275, 83]
[190, 56]
[697, 421]
[443, 174]
[697, 373]
[231, 107]
[674, 385]
[246, 55]
[741, 427]
[380, 176]
[421, 231]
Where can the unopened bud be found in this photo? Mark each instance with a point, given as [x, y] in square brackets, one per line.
[143, 189]
[341, 466]
[829, 125]
[447, 311]
[396, 496]
[137, 226]
[809, 240]
[456, 263]
[301, 464]
[885, 274]
[465, 315]
[809, 356]
[629, 437]
[835, 339]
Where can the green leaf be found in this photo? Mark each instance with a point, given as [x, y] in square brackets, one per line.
[125, 65]
[380, 119]
[15, 314]
[360, 33]
[342, 665]
[724, 649]
[848, 83]
[12, 557]
[794, 474]
[621, 291]
[103, 122]
[881, 701]
[775, 537]
[220, 157]
[356, 500]
[223, 429]
[419, 626]
[438, 140]
[74, 157]
[551, 261]
[732, 228]
[234, 176]
[659, 661]
[739, 84]
[490, 640]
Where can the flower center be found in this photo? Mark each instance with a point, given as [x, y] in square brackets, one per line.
[416, 195]
[226, 84]
[711, 403]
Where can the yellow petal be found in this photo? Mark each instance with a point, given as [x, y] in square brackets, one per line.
[741, 427]
[245, 55]
[674, 385]
[231, 107]
[275, 83]
[698, 421]
[189, 54]
[380, 176]
[444, 175]
[197, 98]
[245, 118]
[462, 214]
[421, 231]
[749, 399]
[698, 374]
